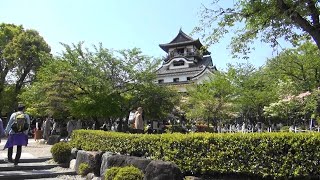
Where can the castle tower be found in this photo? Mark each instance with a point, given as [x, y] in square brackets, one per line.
[186, 62]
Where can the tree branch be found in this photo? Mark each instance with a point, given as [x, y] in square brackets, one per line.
[296, 17]
[314, 13]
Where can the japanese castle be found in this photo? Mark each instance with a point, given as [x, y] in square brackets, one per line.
[186, 62]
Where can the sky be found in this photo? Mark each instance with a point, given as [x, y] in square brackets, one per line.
[119, 24]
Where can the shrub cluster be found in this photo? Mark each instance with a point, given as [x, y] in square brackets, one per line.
[275, 155]
[124, 173]
[111, 173]
[61, 152]
[84, 169]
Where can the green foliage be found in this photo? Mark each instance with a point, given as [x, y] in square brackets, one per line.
[111, 173]
[242, 91]
[84, 169]
[275, 155]
[100, 83]
[61, 152]
[158, 101]
[268, 20]
[210, 99]
[129, 173]
[23, 51]
[299, 65]
[285, 129]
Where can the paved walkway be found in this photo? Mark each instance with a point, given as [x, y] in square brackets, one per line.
[33, 150]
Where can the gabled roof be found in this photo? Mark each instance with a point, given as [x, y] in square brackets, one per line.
[182, 39]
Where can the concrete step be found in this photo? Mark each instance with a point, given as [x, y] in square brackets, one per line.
[29, 160]
[27, 166]
[35, 174]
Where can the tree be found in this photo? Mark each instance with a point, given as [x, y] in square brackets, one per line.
[286, 107]
[254, 90]
[239, 93]
[210, 100]
[98, 84]
[269, 20]
[301, 65]
[157, 101]
[22, 52]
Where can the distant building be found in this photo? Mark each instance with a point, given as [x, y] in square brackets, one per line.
[186, 62]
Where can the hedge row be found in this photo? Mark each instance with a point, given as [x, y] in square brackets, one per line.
[272, 155]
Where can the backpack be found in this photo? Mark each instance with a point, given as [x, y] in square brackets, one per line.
[20, 123]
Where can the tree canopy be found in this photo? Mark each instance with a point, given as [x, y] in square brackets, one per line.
[267, 20]
[22, 52]
[98, 83]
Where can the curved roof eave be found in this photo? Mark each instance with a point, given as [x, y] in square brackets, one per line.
[206, 69]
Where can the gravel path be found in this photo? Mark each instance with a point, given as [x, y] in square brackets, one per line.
[37, 149]
[34, 148]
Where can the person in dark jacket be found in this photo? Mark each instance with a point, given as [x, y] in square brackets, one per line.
[15, 137]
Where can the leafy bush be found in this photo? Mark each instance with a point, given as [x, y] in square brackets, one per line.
[129, 173]
[285, 129]
[174, 128]
[275, 155]
[61, 152]
[84, 169]
[111, 173]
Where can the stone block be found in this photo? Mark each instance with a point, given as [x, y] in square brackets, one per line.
[161, 170]
[74, 152]
[104, 160]
[72, 164]
[93, 158]
[53, 139]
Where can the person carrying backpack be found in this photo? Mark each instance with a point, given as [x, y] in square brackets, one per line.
[17, 131]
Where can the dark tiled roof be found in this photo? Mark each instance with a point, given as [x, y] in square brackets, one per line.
[182, 39]
[207, 61]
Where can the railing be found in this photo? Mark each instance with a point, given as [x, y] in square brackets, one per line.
[185, 54]
[259, 130]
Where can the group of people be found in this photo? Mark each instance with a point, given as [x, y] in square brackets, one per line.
[17, 132]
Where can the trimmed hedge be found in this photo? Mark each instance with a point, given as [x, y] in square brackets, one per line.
[61, 152]
[272, 155]
[129, 173]
[111, 173]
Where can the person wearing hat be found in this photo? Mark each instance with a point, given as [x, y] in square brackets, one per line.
[17, 133]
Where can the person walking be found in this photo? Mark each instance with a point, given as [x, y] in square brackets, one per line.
[79, 124]
[46, 129]
[138, 123]
[54, 127]
[17, 131]
[71, 125]
[1, 129]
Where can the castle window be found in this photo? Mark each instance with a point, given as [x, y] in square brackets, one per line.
[178, 63]
[175, 79]
[180, 51]
[160, 81]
